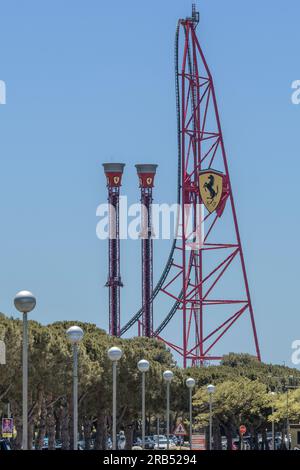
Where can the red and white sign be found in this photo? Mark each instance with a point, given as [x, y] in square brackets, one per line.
[198, 442]
[180, 430]
[243, 430]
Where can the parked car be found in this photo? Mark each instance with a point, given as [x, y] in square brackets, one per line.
[157, 437]
[58, 444]
[162, 443]
[174, 438]
[149, 442]
[137, 442]
[108, 443]
[178, 440]
[5, 444]
[81, 445]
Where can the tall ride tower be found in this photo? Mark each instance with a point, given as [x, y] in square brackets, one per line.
[146, 174]
[113, 173]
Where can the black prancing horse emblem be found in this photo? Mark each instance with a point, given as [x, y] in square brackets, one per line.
[210, 187]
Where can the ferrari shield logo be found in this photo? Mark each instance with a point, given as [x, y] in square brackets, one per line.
[211, 187]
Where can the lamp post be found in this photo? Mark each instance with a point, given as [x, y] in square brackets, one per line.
[190, 383]
[75, 335]
[289, 381]
[210, 390]
[114, 355]
[158, 431]
[25, 302]
[143, 367]
[272, 394]
[168, 376]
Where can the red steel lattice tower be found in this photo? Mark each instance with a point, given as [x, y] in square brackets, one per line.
[146, 174]
[205, 275]
[113, 173]
[205, 184]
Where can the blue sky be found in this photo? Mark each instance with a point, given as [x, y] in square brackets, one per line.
[89, 82]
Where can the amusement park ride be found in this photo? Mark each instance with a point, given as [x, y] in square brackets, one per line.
[200, 260]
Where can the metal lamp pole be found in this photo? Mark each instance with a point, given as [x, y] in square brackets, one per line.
[190, 383]
[143, 367]
[273, 422]
[287, 419]
[75, 335]
[168, 376]
[114, 355]
[25, 302]
[210, 389]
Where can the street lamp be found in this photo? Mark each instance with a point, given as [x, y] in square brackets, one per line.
[272, 394]
[190, 383]
[75, 335]
[210, 390]
[290, 380]
[25, 302]
[114, 355]
[143, 367]
[168, 376]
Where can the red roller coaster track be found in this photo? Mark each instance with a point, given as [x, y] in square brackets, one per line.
[198, 273]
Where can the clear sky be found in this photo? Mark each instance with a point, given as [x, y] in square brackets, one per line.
[93, 81]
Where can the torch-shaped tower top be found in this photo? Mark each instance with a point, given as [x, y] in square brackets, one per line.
[146, 173]
[113, 172]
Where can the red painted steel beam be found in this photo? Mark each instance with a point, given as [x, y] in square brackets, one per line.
[198, 110]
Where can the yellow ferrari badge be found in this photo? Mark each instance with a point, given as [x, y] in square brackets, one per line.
[211, 187]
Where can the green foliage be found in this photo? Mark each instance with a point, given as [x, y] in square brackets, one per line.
[50, 373]
[286, 405]
[242, 385]
[240, 401]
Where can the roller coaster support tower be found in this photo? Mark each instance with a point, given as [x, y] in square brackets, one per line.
[205, 275]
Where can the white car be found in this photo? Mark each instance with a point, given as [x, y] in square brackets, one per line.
[162, 443]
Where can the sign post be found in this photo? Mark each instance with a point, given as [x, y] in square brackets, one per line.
[243, 430]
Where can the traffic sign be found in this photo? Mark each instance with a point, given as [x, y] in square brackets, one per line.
[243, 429]
[7, 427]
[180, 430]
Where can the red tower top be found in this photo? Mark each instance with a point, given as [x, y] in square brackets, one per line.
[114, 172]
[146, 173]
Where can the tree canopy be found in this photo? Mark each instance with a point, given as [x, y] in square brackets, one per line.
[242, 393]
